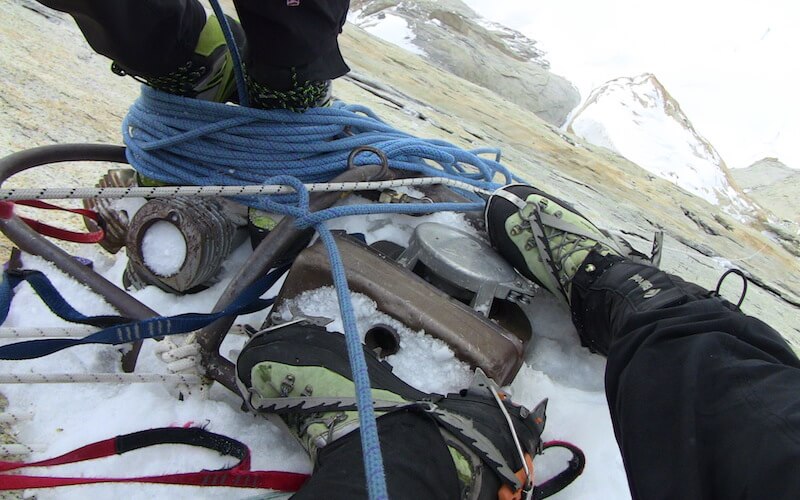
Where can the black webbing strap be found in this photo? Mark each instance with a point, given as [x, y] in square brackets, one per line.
[567, 476]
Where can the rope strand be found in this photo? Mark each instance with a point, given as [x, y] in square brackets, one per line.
[45, 193]
[99, 378]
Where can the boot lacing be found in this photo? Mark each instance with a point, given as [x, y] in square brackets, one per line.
[573, 240]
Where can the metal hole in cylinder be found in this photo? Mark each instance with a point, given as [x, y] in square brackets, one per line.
[383, 340]
[164, 248]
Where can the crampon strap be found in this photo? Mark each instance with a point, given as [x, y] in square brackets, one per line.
[567, 476]
[7, 210]
[50, 296]
[554, 484]
[238, 476]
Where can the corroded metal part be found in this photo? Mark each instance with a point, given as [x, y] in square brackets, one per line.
[209, 233]
[382, 339]
[469, 269]
[115, 220]
[410, 299]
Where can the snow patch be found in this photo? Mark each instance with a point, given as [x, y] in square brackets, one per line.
[423, 362]
[164, 248]
[128, 205]
[388, 26]
[515, 41]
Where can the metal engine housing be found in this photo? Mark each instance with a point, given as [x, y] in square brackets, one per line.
[210, 233]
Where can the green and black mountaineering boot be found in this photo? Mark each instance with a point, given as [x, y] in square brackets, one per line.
[547, 240]
[208, 75]
[298, 366]
[301, 372]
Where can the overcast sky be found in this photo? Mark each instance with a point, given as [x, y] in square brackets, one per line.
[733, 65]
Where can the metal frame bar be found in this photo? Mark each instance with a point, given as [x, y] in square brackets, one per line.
[31, 242]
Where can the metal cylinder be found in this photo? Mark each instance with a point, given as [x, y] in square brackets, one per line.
[207, 231]
[383, 340]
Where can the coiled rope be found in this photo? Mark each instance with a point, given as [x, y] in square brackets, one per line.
[185, 141]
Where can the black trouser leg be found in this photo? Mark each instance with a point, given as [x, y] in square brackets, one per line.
[154, 37]
[149, 37]
[705, 401]
[302, 39]
[417, 463]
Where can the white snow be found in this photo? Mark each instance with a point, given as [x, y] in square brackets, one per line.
[515, 41]
[69, 416]
[164, 248]
[128, 205]
[443, 372]
[388, 26]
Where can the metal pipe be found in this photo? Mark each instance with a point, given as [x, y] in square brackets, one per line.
[382, 339]
[59, 153]
[30, 241]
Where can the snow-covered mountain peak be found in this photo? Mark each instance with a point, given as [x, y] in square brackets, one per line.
[638, 118]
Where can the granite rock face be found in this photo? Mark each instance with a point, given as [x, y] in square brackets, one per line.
[772, 185]
[452, 37]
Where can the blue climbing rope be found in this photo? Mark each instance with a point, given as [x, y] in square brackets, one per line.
[187, 141]
[236, 56]
[178, 140]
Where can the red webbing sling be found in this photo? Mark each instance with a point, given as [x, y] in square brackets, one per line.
[7, 209]
[238, 476]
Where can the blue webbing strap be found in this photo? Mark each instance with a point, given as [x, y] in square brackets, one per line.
[247, 302]
[50, 296]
